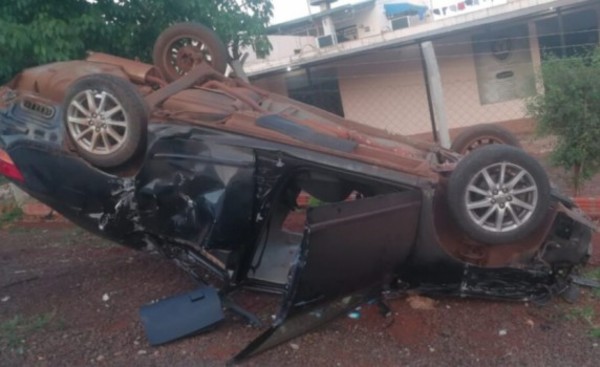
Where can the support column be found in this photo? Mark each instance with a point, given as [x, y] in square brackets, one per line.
[435, 94]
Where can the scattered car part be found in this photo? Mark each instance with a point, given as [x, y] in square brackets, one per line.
[225, 164]
[180, 316]
[586, 282]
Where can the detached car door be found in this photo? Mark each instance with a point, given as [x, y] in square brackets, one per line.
[349, 251]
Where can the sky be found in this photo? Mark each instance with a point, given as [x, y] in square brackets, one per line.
[285, 10]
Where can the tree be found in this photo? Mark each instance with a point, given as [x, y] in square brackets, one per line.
[569, 109]
[34, 32]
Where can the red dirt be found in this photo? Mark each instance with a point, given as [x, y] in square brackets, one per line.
[65, 273]
[59, 274]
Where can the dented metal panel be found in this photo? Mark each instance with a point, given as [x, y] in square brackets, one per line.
[222, 165]
[350, 251]
[352, 245]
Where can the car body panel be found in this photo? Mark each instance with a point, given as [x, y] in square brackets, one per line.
[223, 170]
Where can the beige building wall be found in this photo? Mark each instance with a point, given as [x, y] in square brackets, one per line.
[283, 46]
[275, 84]
[461, 90]
[386, 89]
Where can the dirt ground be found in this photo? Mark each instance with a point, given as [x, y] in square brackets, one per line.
[68, 298]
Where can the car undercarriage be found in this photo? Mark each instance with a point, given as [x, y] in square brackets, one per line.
[269, 194]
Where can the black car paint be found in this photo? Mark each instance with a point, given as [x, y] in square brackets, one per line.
[202, 196]
[180, 195]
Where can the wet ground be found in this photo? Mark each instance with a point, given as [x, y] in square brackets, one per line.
[68, 298]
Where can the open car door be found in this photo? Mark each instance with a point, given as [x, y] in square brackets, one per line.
[348, 252]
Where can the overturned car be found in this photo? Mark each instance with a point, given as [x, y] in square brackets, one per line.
[212, 172]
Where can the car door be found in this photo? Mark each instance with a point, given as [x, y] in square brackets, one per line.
[349, 251]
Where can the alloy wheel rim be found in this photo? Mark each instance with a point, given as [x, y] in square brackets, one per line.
[501, 197]
[184, 52]
[97, 121]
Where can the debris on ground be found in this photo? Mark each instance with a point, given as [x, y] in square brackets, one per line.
[421, 303]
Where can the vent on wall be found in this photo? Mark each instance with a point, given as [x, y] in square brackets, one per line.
[325, 41]
[400, 23]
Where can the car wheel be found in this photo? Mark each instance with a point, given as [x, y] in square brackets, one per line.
[181, 46]
[498, 195]
[106, 119]
[482, 135]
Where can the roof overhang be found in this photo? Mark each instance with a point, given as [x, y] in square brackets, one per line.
[310, 19]
[507, 13]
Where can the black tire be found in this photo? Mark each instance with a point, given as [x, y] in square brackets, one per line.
[171, 40]
[129, 122]
[482, 135]
[504, 205]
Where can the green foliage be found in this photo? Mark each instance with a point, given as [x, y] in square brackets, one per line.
[10, 216]
[593, 273]
[595, 332]
[34, 32]
[8, 331]
[14, 330]
[569, 109]
[586, 314]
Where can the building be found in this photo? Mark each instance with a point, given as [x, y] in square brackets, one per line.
[363, 61]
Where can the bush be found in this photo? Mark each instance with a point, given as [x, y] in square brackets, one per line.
[569, 109]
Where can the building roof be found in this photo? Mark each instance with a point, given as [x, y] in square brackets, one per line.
[510, 12]
[310, 19]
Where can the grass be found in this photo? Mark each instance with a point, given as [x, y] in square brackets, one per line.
[584, 313]
[9, 216]
[9, 331]
[16, 329]
[587, 314]
[595, 332]
[593, 274]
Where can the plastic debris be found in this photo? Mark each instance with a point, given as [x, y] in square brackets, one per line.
[354, 315]
[502, 332]
[105, 297]
[421, 303]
